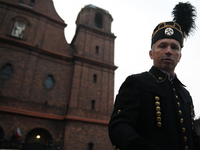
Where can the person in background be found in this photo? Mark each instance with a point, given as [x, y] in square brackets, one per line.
[153, 110]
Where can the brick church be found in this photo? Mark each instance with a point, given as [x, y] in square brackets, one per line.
[55, 95]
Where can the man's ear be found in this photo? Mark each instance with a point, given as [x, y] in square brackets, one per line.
[151, 54]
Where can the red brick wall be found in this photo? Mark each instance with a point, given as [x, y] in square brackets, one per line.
[10, 123]
[88, 63]
[26, 103]
[87, 17]
[86, 42]
[84, 90]
[38, 7]
[84, 133]
[40, 30]
[27, 80]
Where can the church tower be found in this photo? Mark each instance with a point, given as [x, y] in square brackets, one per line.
[92, 91]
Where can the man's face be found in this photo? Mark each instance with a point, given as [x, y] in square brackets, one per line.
[166, 54]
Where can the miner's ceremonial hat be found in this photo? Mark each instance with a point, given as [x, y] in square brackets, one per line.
[181, 27]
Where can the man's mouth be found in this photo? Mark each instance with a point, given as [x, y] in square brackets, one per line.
[167, 60]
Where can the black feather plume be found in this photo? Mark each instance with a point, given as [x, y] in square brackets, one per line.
[185, 14]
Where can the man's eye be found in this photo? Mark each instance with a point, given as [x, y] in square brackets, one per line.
[174, 47]
[162, 46]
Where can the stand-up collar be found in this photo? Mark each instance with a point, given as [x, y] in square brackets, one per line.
[160, 76]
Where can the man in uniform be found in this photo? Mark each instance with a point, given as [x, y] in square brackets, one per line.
[153, 110]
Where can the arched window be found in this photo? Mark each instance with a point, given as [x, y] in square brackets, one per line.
[49, 81]
[94, 78]
[90, 146]
[98, 22]
[92, 104]
[1, 134]
[97, 49]
[21, 1]
[18, 29]
[32, 3]
[6, 71]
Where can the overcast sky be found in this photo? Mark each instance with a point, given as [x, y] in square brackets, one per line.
[133, 24]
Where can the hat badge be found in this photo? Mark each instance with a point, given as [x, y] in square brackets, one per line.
[169, 31]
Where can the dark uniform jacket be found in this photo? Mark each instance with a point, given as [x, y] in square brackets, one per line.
[153, 113]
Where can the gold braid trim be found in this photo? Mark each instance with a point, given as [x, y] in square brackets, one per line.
[156, 79]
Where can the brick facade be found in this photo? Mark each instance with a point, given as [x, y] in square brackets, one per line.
[73, 114]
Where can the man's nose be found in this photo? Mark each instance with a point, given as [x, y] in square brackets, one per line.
[168, 50]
